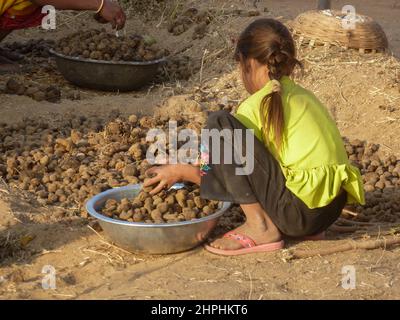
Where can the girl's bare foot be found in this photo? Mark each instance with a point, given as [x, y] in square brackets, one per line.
[258, 227]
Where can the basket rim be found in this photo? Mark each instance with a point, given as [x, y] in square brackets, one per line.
[314, 24]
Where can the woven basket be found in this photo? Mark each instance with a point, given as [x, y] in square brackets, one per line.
[326, 27]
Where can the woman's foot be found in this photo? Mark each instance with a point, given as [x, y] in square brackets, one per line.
[258, 227]
[8, 66]
[8, 61]
[10, 55]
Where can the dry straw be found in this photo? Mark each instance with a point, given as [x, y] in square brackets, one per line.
[326, 27]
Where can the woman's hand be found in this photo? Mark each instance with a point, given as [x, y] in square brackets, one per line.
[112, 13]
[166, 176]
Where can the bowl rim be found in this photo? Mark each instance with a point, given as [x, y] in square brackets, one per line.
[92, 211]
[132, 63]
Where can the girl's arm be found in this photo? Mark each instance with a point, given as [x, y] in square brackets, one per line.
[190, 173]
[111, 11]
[167, 175]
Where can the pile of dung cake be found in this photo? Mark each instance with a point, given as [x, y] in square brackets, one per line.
[39, 92]
[33, 48]
[63, 163]
[101, 45]
[166, 206]
[201, 20]
[35, 91]
[67, 162]
[381, 178]
[178, 68]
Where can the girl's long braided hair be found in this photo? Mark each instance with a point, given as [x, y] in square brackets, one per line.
[270, 43]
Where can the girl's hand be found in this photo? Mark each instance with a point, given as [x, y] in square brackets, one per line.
[112, 13]
[166, 177]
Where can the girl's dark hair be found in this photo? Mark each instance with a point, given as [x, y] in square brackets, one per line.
[270, 43]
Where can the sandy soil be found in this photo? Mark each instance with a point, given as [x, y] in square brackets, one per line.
[362, 93]
[95, 269]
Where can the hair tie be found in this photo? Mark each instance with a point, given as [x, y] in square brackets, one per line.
[276, 86]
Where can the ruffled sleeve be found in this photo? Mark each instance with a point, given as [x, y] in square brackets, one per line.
[317, 187]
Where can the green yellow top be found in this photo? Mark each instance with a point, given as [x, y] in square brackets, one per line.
[313, 158]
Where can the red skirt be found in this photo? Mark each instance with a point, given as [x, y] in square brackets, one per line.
[14, 22]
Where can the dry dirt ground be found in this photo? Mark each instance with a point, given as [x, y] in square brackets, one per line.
[361, 91]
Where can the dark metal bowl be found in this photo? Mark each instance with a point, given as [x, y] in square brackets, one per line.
[107, 75]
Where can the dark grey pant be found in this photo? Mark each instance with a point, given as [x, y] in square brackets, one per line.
[265, 185]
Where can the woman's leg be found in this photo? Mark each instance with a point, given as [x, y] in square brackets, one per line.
[7, 63]
[3, 34]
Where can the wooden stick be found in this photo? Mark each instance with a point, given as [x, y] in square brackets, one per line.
[356, 223]
[103, 240]
[351, 245]
[343, 229]
[355, 214]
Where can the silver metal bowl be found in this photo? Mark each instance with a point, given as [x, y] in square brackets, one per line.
[151, 238]
[107, 75]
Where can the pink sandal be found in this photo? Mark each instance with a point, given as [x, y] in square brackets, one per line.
[248, 244]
